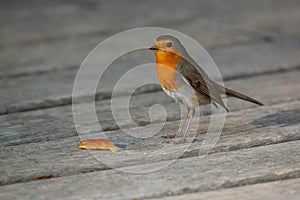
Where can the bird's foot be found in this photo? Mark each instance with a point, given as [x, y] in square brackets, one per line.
[168, 136]
[178, 134]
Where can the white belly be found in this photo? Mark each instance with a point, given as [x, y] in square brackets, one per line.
[184, 95]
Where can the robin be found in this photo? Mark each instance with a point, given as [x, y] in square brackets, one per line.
[183, 79]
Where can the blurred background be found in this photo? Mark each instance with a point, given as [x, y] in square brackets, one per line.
[44, 42]
[46, 35]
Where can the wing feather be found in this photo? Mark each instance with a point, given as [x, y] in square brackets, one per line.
[200, 81]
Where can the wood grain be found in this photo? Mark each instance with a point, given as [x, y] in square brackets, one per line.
[256, 46]
[39, 58]
[56, 123]
[216, 171]
[60, 157]
[284, 189]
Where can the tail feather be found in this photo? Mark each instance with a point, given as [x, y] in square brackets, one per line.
[235, 94]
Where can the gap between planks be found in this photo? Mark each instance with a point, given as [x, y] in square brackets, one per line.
[43, 92]
[261, 126]
[275, 190]
[189, 175]
[58, 123]
[100, 96]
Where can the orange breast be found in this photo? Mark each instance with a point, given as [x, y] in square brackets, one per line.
[166, 66]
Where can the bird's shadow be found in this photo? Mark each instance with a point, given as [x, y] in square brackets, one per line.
[282, 118]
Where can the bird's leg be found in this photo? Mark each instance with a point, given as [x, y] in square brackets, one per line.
[190, 114]
[181, 126]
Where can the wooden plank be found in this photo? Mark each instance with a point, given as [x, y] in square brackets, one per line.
[257, 16]
[38, 157]
[283, 189]
[61, 157]
[27, 127]
[55, 88]
[216, 171]
[256, 58]
[55, 29]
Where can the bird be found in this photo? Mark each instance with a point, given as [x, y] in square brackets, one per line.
[186, 82]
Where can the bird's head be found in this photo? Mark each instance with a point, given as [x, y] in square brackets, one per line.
[167, 47]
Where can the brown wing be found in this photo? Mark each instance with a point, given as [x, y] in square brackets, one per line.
[200, 81]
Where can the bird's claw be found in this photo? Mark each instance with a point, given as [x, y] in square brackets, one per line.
[168, 136]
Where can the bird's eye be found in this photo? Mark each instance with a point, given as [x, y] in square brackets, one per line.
[169, 44]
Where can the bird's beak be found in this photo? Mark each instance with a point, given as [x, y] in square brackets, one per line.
[154, 48]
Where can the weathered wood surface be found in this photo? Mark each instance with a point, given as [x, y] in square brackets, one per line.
[55, 88]
[27, 127]
[55, 29]
[284, 189]
[220, 170]
[256, 47]
[46, 85]
[263, 126]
